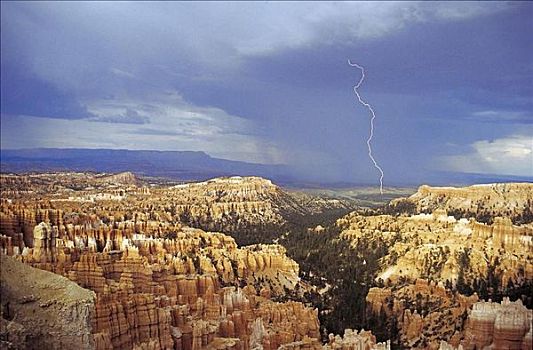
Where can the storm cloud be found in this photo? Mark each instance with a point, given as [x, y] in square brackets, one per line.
[268, 82]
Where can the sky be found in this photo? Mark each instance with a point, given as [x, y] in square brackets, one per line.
[268, 82]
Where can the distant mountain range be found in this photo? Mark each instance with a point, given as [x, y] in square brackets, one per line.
[188, 165]
[179, 165]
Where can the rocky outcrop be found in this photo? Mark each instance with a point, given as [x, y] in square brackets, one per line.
[352, 340]
[158, 284]
[505, 325]
[459, 256]
[439, 247]
[484, 202]
[169, 292]
[43, 310]
[425, 313]
[124, 178]
[239, 206]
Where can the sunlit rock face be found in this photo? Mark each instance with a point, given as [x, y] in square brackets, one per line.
[439, 247]
[236, 205]
[224, 201]
[505, 325]
[243, 204]
[434, 266]
[157, 283]
[354, 340]
[166, 293]
[351, 340]
[510, 200]
[424, 312]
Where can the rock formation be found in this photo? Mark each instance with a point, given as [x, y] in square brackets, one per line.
[235, 205]
[458, 256]
[352, 340]
[425, 313]
[42, 309]
[168, 293]
[485, 202]
[157, 283]
[439, 247]
[505, 325]
[161, 279]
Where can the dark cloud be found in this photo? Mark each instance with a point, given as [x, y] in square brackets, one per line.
[272, 78]
[24, 94]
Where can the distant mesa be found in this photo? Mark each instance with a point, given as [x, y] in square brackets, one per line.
[183, 165]
[187, 166]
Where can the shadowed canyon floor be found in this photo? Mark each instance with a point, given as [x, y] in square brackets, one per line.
[240, 263]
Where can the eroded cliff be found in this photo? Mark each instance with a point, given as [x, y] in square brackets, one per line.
[42, 310]
[483, 202]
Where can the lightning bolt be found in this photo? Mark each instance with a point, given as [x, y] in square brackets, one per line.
[367, 105]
